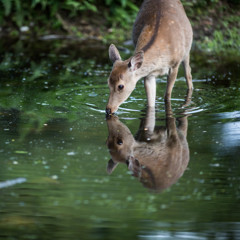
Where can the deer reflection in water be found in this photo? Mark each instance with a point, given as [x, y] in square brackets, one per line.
[157, 156]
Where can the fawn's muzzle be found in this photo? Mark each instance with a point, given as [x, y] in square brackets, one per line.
[108, 111]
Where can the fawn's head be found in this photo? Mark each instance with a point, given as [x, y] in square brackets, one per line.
[122, 79]
[120, 142]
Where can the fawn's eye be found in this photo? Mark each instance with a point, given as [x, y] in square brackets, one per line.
[119, 142]
[120, 87]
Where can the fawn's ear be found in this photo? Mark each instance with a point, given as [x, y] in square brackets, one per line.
[114, 53]
[136, 61]
[111, 166]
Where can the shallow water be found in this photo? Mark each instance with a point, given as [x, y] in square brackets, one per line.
[53, 150]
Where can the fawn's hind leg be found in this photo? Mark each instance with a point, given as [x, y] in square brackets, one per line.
[187, 70]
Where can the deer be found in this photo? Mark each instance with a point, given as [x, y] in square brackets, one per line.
[157, 156]
[162, 36]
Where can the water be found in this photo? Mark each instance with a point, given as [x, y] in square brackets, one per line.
[53, 151]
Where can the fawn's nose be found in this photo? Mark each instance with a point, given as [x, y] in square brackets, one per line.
[108, 111]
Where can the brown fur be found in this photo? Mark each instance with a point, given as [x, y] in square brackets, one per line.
[117, 73]
[162, 36]
[158, 156]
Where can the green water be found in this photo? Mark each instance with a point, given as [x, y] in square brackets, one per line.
[53, 136]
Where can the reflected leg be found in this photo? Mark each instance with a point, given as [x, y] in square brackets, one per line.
[150, 120]
[170, 121]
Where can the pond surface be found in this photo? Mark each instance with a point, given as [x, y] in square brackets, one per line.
[53, 153]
